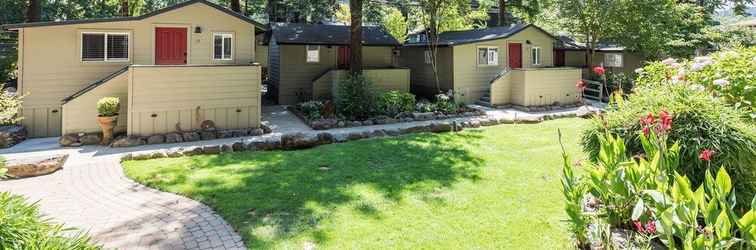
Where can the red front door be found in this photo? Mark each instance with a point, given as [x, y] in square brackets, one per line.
[515, 55]
[170, 46]
[344, 52]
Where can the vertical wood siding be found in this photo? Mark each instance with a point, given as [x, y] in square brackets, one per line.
[80, 114]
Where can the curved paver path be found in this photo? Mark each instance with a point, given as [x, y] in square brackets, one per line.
[93, 194]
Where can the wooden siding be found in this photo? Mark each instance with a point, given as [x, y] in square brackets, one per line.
[80, 114]
[164, 98]
[471, 80]
[535, 87]
[51, 67]
[422, 77]
[397, 79]
[630, 61]
[295, 74]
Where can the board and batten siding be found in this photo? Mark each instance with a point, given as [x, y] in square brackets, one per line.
[422, 78]
[50, 66]
[80, 114]
[295, 75]
[396, 79]
[169, 98]
[471, 80]
[536, 87]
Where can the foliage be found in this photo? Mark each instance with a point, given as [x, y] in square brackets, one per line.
[355, 97]
[393, 102]
[703, 122]
[311, 109]
[3, 169]
[646, 193]
[445, 103]
[591, 20]
[278, 199]
[724, 37]
[574, 194]
[395, 23]
[22, 227]
[10, 105]
[108, 106]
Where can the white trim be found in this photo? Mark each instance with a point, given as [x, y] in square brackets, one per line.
[105, 46]
[490, 61]
[223, 36]
[536, 60]
[307, 53]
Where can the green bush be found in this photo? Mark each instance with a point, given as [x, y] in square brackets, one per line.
[10, 105]
[108, 106]
[311, 109]
[701, 121]
[22, 227]
[392, 103]
[355, 97]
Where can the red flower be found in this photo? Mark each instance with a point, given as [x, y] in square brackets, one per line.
[648, 120]
[599, 70]
[666, 121]
[646, 130]
[639, 226]
[706, 154]
[580, 85]
[651, 227]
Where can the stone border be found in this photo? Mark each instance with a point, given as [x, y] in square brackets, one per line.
[324, 124]
[12, 135]
[538, 108]
[299, 140]
[76, 140]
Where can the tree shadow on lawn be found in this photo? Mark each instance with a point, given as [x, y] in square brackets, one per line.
[279, 195]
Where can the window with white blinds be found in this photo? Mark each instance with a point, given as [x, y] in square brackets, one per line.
[488, 56]
[103, 47]
[222, 46]
[313, 53]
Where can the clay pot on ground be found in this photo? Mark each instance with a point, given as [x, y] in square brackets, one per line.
[107, 124]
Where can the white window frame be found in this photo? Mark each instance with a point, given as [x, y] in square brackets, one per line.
[490, 60]
[105, 46]
[428, 54]
[223, 36]
[307, 53]
[536, 60]
[618, 58]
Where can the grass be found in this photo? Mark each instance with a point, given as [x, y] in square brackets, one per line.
[492, 188]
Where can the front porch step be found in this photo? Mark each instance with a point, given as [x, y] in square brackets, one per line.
[485, 99]
[483, 103]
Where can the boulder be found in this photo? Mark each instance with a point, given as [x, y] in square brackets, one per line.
[266, 129]
[128, 141]
[265, 145]
[69, 140]
[367, 123]
[416, 129]
[378, 133]
[30, 168]
[173, 138]
[422, 116]
[440, 127]
[529, 119]
[211, 149]
[207, 135]
[90, 139]
[226, 148]
[175, 153]
[586, 112]
[189, 151]
[12, 135]
[355, 123]
[393, 132]
[256, 132]
[355, 136]
[341, 124]
[238, 146]
[191, 136]
[156, 139]
[301, 140]
[321, 124]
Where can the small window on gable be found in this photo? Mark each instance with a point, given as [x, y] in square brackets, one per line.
[488, 56]
[428, 56]
[536, 55]
[103, 47]
[613, 60]
[313, 53]
[223, 46]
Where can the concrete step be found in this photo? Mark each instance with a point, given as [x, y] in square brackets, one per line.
[483, 103]
[486, 98]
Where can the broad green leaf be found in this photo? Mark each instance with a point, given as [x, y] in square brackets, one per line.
[699, 198]
[724, 184]
[638, 209]
[747, 220]
[711, 213]
[723, 226]
[657, 196]
[709, 182]
[753, 204]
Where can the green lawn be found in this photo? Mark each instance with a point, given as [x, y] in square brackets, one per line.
[492, 188]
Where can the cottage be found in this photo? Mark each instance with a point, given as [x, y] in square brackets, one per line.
[499, 65]
[308, 60]
[616, 59]
[172, 69]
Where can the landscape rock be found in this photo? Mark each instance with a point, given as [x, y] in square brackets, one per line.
[266, 129]
[440, 127]
[191, 136]
[12, 135]
[321, 124]
[586, 112]
[189, 151]
[225, 134]
[367, 123]
[378, 133]
[207, 135]
[256, 132]
[240, 132]
[173, 138]
[422, 116]
[90, 139]
[529, 119]
[238, 146]
[341, 124]
[211, 149]
[175, 153]
[35, 168]
[156, 139]
[265, 145]
[415, 129]
[69, 140]
[128, 141]
[226, 148]
[302, 140]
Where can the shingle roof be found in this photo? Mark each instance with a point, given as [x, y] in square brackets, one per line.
[451, 38]
[569, 43]
[136, 18]
[323, 34]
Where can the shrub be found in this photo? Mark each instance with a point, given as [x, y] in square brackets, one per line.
[445, 103]
[10, 105]
[425, 106]
[702, 122]
[108, 106]
[392, 103]
[22, 227]
[311, 109]
[730, 75]
[355, 97]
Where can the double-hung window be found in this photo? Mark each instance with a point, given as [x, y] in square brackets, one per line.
[613, 60]
[488, 56]
[313, 53]
[223, 44]
[104, 47]
[535, 54]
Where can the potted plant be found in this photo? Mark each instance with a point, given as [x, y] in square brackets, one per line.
[107, 116]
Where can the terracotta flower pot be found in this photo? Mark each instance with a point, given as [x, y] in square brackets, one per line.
[107, 123]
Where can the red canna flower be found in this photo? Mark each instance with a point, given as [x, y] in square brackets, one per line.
[639, 226]
[648, 120]
[599, 70]
[651, 227]
[666, 121]
[706, 154]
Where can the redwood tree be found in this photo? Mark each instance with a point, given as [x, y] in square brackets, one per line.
[355, 56]
[34, 11]
[503, 17]
[236, 6]
[124, 8]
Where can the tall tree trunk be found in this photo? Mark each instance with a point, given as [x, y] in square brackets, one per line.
[124, 8]
[272, 11]
[246, 7]
[355, 56]
[34, 11]
[236, 6]
[503, 17]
